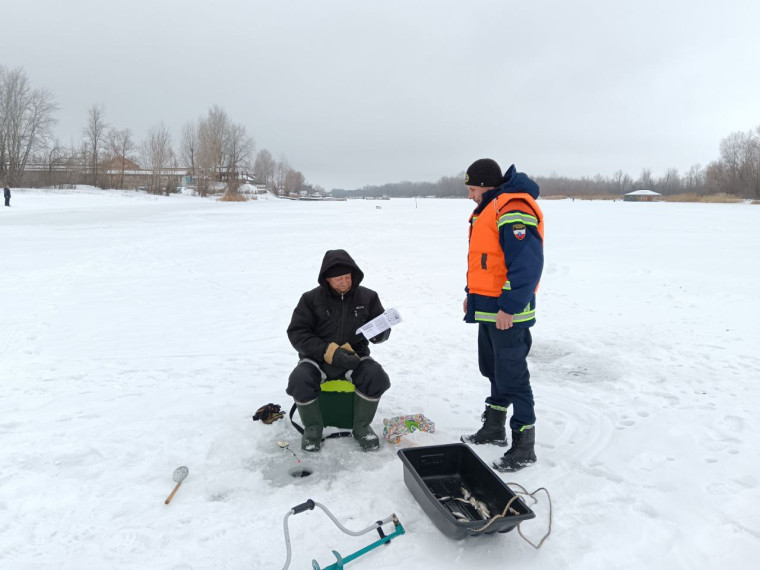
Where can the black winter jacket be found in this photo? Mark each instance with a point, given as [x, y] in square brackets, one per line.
[323, 316]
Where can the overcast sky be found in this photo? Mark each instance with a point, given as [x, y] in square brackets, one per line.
[358, 92]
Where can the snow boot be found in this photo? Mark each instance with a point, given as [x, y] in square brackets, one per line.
[311, 416]
[493, 430]
[521, 454]
[364, 413]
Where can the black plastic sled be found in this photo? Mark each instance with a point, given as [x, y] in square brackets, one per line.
[459, 492]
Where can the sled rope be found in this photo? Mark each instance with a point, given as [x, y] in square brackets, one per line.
[524, 492]
[499, 516]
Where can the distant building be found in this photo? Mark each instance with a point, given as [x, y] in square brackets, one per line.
[643, 196]
[119, 163]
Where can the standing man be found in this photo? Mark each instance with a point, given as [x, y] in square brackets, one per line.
[7, 195]
[505, 262]
[323, 331]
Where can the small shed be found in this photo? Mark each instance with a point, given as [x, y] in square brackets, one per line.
[643, 196]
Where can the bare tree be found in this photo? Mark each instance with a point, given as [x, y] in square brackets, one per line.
[189, 146]
[26, 122]
[4, 103]
[237, 155]
[294, 179]
[694, 180]
[71, 165]
[670, 183]
[95, 133]
[223, 148]
[621, 182]
[55, 157]
[731, 150]
[280, 175]
[263, 168]
[122, 146]
[645, 181]
[739, 170]
[717, 177]
[157, 155]
[753, 163]
[212, 134]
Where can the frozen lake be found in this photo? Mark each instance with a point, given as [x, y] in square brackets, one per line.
[140, 333]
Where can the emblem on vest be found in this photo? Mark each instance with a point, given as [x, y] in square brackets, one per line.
[518, 230]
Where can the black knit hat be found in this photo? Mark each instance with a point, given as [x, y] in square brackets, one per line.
[484, 172]
[338, 270]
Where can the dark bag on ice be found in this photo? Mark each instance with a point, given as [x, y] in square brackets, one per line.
[268, 414]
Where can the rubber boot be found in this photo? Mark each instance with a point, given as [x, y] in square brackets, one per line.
[521, 454]
[311, 417]
[493, 430]
[364, 413]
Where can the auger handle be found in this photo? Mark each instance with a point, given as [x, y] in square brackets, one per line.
[307, 506]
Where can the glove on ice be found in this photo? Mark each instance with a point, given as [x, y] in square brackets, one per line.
[268, 414]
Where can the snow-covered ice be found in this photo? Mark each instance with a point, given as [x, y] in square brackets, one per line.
[140, 333]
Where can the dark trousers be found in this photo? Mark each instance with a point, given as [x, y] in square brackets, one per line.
[502, 356]
[8, 201]
[369, 379]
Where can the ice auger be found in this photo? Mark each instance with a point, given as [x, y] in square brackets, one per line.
[343, 560]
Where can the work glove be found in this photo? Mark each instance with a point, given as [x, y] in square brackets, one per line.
[268, 414]
[343, 358]
[331, 348]
[348, 347]
[382, 337]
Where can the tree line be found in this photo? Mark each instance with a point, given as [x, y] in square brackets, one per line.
[736, 172]
[445, 187]
[215, 151]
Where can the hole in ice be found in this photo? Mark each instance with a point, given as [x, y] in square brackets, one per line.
[300, 472]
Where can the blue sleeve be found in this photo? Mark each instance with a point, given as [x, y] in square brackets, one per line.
[524, 257]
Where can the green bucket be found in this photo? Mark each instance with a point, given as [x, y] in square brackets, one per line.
[336, 400]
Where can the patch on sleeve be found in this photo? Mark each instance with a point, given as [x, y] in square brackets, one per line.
[519, 230]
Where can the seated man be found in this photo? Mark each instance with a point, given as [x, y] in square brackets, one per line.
[323, 331]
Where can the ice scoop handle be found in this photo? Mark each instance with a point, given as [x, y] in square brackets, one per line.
[170, 497]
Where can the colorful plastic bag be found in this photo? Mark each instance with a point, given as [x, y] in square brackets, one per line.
[394, 429]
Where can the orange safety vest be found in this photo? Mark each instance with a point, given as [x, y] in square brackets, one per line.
[487, 272]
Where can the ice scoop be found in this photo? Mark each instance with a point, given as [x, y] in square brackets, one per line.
[180, 473]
